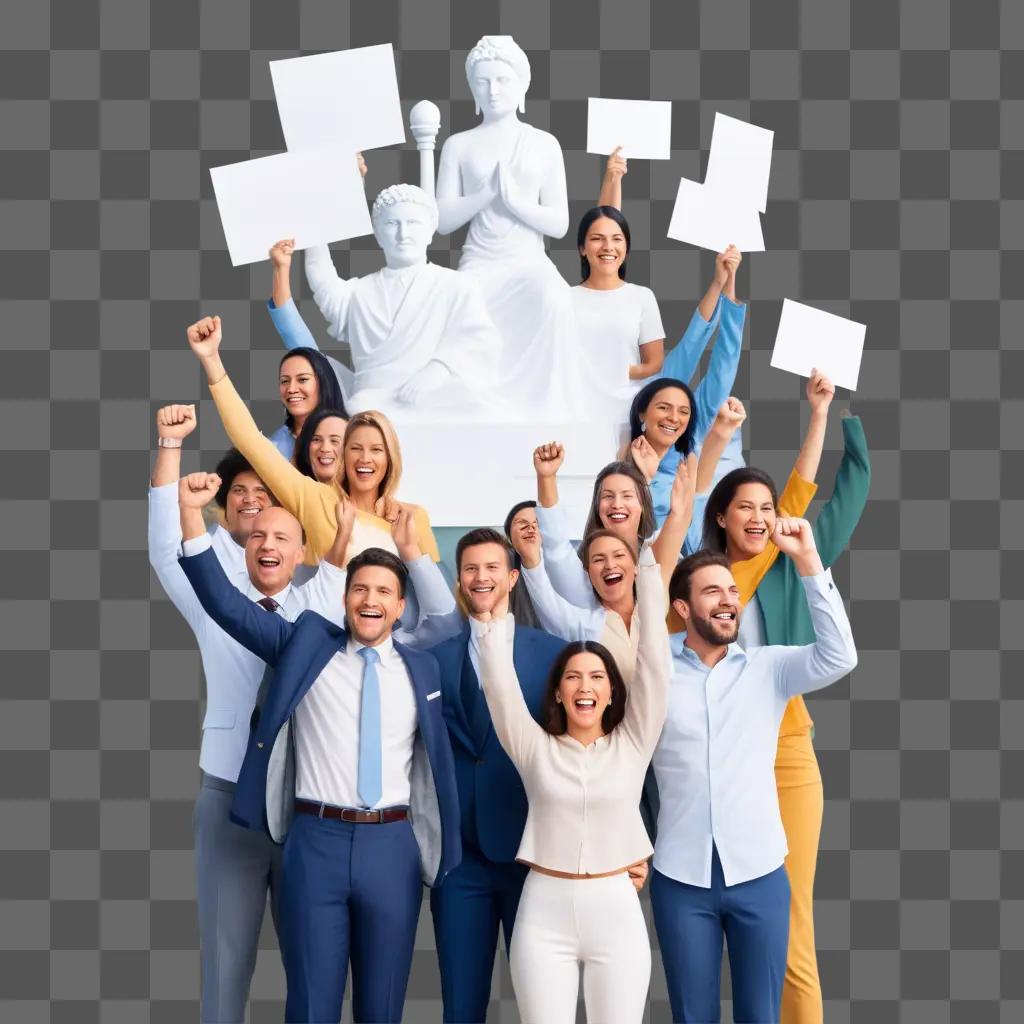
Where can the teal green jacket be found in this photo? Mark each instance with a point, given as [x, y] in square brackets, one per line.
[780, 594]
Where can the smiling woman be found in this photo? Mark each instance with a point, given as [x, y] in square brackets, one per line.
[306, 383]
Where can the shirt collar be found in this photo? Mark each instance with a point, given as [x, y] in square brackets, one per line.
[280, 597]
[677, 642]
[385, 648]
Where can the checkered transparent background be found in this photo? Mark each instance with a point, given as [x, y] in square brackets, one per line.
[897, 199]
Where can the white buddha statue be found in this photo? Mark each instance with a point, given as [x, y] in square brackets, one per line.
[420, 335]
[506, 179]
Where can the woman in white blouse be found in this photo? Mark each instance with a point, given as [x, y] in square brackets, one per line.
[583, 771]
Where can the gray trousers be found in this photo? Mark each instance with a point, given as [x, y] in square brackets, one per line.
[235, 868]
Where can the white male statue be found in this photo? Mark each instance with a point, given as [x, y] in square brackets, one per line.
[506, 179]
[419, 334]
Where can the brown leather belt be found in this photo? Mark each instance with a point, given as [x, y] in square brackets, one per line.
[352, 814]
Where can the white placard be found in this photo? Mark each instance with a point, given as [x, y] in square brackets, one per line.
[643, 128]
[314, 197]
[710, 219]
[811, 338]
[346, 98]
[740, 161]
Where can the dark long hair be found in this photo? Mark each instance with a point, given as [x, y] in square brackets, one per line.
[648, 523]
[553, 717]
[309, 428]
[596, 213]
[720, 499]
[328, 390]
[643, 398]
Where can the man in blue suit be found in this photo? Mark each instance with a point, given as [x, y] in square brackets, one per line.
[483, 891]
[350, 760]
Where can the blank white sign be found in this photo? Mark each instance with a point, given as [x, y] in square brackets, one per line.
[314, 197]
[710, 219]
[811, 338]
[643, 128]
[740, 161]
[346, 98]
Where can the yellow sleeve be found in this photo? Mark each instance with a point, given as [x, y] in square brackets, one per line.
[794, 501]
[301, 495]
[428, 543]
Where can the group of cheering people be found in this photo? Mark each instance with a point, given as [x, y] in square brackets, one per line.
[525, 744]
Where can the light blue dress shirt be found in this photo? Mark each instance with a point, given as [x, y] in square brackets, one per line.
[715, 761]
[295, 333]
[714, 388]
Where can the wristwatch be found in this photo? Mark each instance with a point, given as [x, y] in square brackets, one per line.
[168, 442]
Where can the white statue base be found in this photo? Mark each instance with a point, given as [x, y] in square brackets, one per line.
[472, 473]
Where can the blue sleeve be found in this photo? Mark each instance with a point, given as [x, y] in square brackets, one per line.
[290, 325]
[684, 358]
[264, 633]
[716, 385]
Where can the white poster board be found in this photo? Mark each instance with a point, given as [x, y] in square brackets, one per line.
[810, 338]
[740, 161]
[314, 197]
[345, 98]
[707, 218]
[643, 128]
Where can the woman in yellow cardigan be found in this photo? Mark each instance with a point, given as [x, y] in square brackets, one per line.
[751, 513]
[368, 472]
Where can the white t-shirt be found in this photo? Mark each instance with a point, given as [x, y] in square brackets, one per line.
[612, 326]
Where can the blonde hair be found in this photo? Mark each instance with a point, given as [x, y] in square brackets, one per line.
[373, 418]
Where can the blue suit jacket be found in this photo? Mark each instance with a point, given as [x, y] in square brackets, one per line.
[491, 796]
[298, 652]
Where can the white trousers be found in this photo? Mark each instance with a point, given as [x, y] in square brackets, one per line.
[563, 922]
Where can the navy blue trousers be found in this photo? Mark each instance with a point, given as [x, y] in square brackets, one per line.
[350, 894]
[752, 917]
[474, 900]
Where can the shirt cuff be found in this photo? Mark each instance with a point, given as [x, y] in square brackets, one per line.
[165, 494]
[196, 545]
[822, 582]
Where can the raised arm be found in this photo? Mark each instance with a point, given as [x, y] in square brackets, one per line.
[455, 209]
[554, 613]
[833, 654]
[647, 703]
[256, 629]
[173, 424]
[669, 542]
[727, 421]
[717, 384]
[611, 184]
[518, 733]
[331, 293]
[839, 515]
[297, 493]
[820, 392]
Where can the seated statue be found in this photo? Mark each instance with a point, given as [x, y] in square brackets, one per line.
[420, 335]
[506, 179]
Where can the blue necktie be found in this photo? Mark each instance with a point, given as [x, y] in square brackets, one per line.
[369, 781]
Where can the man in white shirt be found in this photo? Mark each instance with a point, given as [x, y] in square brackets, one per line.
[349, 765]
[259, 549]
[718, 859]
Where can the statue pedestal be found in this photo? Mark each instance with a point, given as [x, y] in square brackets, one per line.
[471, 473]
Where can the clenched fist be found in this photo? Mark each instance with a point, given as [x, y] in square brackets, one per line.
[281, 253]
[197, 490]
[204, 336]
[548, 459]
[176, 421]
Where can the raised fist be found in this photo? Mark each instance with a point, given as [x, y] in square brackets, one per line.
[281, 253]
[820, 391]
[345, 513]
[204, 336]
[403, 530]
[197, 489]
[548, 458]
[176, 421]
[730, 416]
[793, 536]
[726, 264]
